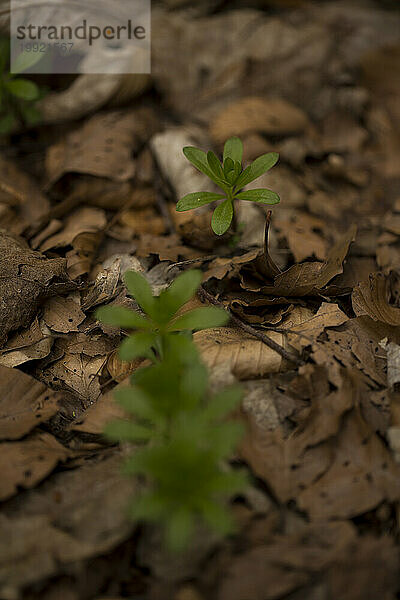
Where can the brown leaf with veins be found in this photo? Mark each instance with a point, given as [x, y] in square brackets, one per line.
[63, 314]
[24, 403]
[247, 356]
[27, 278]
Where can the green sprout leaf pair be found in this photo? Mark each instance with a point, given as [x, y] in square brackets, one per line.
[151, 333]
[231, 178]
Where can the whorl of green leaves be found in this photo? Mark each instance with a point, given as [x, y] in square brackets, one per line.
[180, 433]
[231, 178]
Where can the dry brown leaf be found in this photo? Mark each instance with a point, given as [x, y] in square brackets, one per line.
[311, 326]
[371, 298]
[18, 190]
[393, 363]
[167, 247]
[24, 403]
[342, 134]
[74, 515]
[82, 230]
[273, 116]
[292, 464]
[63, 314]
[247, 356]
[102, 146]
[27, 278]
[361, 476]
[355, 344]
[145, 221]
[300, 231]
[310, 278]
[79, 373]
[351, 567]
[96, 417]
[32, 343]
[27, 462]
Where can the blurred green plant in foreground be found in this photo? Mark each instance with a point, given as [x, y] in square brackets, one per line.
[181, 437]
[18, 95]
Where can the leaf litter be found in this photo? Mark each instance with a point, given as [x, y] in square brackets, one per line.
[319, 278]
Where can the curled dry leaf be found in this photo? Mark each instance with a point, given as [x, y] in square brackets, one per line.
[82, 230]
[308, 278]
[247, 356]
[24, 403]
[371, 298]
[29, 277]
[272, 116]
[32, 343]
[25, 463]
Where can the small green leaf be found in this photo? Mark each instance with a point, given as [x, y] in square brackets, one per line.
[261, 195]
[135, 401]
[7, 123]
[138, 345]
[179, 528]
[198, 158]
[215, 165]
[179, 292]
[140, 289]
[23, 88]
[197, 199]
[229, 166]
[231, 177]
[222, 217]
[261, 165]
[201, 318]
[120, 316]
[233, 149]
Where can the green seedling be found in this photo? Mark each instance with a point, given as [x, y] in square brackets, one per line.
[18, 95]
[152, 332]
[231, 178]
[181, 438]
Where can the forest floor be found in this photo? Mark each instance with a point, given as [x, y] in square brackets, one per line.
[91, 194]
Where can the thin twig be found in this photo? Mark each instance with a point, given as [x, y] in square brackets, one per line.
[286, 354]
